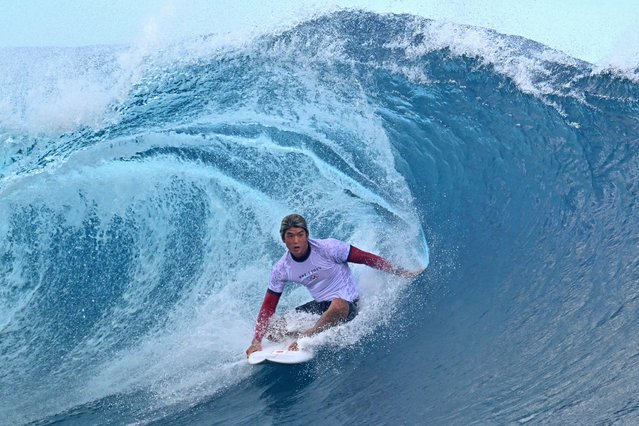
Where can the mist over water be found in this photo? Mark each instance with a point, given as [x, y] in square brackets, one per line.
[141, 194]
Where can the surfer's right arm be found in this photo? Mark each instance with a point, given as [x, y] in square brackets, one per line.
[263, 318]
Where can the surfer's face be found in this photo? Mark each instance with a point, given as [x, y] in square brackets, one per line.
[296, 241]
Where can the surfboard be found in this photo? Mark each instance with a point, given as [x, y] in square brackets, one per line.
[277, 352]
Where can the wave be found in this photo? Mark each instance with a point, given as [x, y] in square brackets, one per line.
[137, 232]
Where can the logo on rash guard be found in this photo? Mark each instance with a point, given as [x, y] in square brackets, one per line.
[312, 278]
[311, 273]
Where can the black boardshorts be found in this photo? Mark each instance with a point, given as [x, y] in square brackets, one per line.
[319, 308]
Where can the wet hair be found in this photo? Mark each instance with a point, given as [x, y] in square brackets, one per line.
[293, 221]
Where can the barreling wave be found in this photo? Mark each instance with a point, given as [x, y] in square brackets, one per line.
[138, 227]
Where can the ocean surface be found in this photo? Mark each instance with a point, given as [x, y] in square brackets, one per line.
[141, 190]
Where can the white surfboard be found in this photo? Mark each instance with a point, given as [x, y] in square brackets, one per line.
[278, 352]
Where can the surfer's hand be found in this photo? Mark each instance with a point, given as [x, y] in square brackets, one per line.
[298, 335]
[255, 346]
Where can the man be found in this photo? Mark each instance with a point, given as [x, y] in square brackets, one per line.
[321, 266]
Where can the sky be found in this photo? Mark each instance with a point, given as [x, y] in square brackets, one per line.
[593, 30]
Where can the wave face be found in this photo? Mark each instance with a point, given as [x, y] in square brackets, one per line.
[141, 195]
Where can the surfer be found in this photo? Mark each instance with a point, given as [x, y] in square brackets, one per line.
[322, 267]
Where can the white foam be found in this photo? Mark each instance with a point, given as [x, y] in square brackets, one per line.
[526, 62]
[197, 348]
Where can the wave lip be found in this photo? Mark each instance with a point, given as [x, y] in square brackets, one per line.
[135, 249]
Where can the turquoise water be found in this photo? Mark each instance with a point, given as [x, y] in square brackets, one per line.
[142, 192]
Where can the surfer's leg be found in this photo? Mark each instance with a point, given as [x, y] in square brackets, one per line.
[319, 308]
[336, 313]
[313, 307]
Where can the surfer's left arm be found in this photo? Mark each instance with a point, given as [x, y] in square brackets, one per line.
[374, 261]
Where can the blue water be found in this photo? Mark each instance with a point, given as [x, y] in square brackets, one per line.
[142, 190]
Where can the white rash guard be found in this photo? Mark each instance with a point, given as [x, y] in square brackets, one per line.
[323, 271]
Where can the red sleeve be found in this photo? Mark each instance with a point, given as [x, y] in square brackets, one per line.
[266, 312]
[360, 256]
